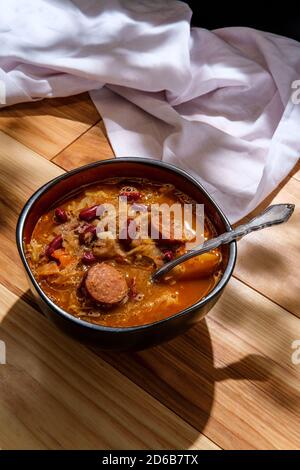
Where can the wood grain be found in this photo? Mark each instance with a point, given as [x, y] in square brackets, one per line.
[22, 171]
[251, 340]
[297, 175]
[57, 394]
[268, 260]
[48, 126]
[232, 377]
[296, 171]
[90, 147]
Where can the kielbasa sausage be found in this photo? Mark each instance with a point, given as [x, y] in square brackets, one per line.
[106, 285]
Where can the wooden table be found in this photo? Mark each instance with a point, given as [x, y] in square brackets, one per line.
[228, 383]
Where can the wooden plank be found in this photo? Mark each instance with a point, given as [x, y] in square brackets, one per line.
[268, 260]
[28, 171]
[48, 126]
[296, 171]
[90, 147]
[297, 175]
[243, 392]
[57, 394]
[231, 375]
[22, 171]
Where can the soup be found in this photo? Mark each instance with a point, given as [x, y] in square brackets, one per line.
[99, 269]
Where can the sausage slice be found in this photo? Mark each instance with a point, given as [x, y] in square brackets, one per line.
[106, 285]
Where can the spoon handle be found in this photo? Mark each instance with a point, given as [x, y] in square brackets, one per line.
[273, 215]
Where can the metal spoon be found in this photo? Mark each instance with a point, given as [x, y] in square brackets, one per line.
[273, 215]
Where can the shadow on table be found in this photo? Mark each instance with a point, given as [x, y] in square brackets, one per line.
[180, 374]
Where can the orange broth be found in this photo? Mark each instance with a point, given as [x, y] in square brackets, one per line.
[61, 275]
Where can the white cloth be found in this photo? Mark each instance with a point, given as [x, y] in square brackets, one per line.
[215, 103]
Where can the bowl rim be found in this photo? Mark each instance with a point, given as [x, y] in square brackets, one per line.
[137, 160]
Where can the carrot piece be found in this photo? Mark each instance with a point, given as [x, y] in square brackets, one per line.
[62, 257]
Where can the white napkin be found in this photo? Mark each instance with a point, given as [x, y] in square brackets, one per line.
[215, 103]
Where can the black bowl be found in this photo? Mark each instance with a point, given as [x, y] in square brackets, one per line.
[138, 337]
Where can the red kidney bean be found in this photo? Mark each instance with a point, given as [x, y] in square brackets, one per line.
[60, 215]
[131, 193]
[88, 235]
[168, 255]
[55, 244]
[89, 213]
[88, 258]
